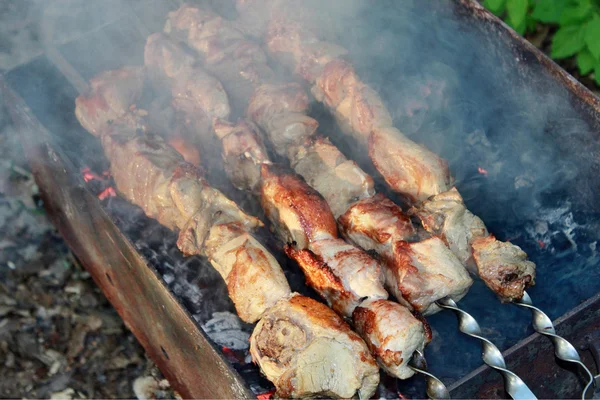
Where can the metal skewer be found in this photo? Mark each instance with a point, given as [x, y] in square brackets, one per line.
[562, 348]
[515, 387]
[435, 387]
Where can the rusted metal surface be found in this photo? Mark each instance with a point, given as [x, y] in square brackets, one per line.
[177, 345]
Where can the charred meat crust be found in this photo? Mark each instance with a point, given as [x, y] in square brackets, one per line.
[397, 224]
[287, 190]
[503, 267]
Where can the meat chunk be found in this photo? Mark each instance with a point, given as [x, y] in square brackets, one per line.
[298, 213]
[357, 107]
[376, 223]
[503, 267]
[243, 152]
[407, 167]
[196, 94]
[306, 350]
[392, 333]
[445, 215]
[339, 180]
[151, 174]
[111, 95]
[238, 62]
[298, 48]
[341, 273]
[254, 279]
[280, 111]
[424, 272]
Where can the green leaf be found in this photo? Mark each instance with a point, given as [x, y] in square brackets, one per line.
[597, 73]
[517, 9]
[548, 11]
[586, 62]
[576, 11]
[567, 41]
[495, 6]
[592, 36]
[531, 23]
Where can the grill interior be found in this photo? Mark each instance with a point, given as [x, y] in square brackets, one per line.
[524, 153]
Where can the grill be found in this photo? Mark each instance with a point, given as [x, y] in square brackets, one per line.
[521, 137]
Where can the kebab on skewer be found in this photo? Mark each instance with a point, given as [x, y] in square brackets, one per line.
[407, 167]
[417, 281]
[302, 346]
[344, 275]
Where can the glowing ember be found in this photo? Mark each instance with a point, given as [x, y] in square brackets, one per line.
[88, 175]
[266, 396]
[108, 192]
[482, 171]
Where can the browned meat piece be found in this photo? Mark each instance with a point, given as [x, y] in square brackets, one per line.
[424, 272]
[151, 174]
[503, 267]
[238, 62]
[341, 273]
[112, 94]
[243, 152]
[196, 94]
[280, 111]
[376, 223]
[165, 58]
[408, 168]
[298, 213]
[339, 180]
[392, 333]
[255, 281]
[308, 351]
[298, 48]
[445, 215]
[357, 107]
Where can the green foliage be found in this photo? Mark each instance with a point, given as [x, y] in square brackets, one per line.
[577, 22]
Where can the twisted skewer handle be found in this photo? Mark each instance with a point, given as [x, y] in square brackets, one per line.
[562, 348]
[435, 388]
[516, 388]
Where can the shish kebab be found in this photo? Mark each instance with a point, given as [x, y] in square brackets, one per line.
[348, 278]
[372, 221]
[303, 347]
[408, 168]
[417, 284]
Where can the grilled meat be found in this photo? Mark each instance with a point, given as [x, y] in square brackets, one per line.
[446, 215]
[425, 271]
[244, 153]
[293, 127]
[408, 168]
[394, 334]
[341, 273]
[295, 343]
[238, 62]
[111, 95]
[339, 180]
[408, 165]
[503, 267]
[197, 95]
[299, 214]
[373, 223]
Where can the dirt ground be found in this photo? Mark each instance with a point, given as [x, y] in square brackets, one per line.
[59, 336]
